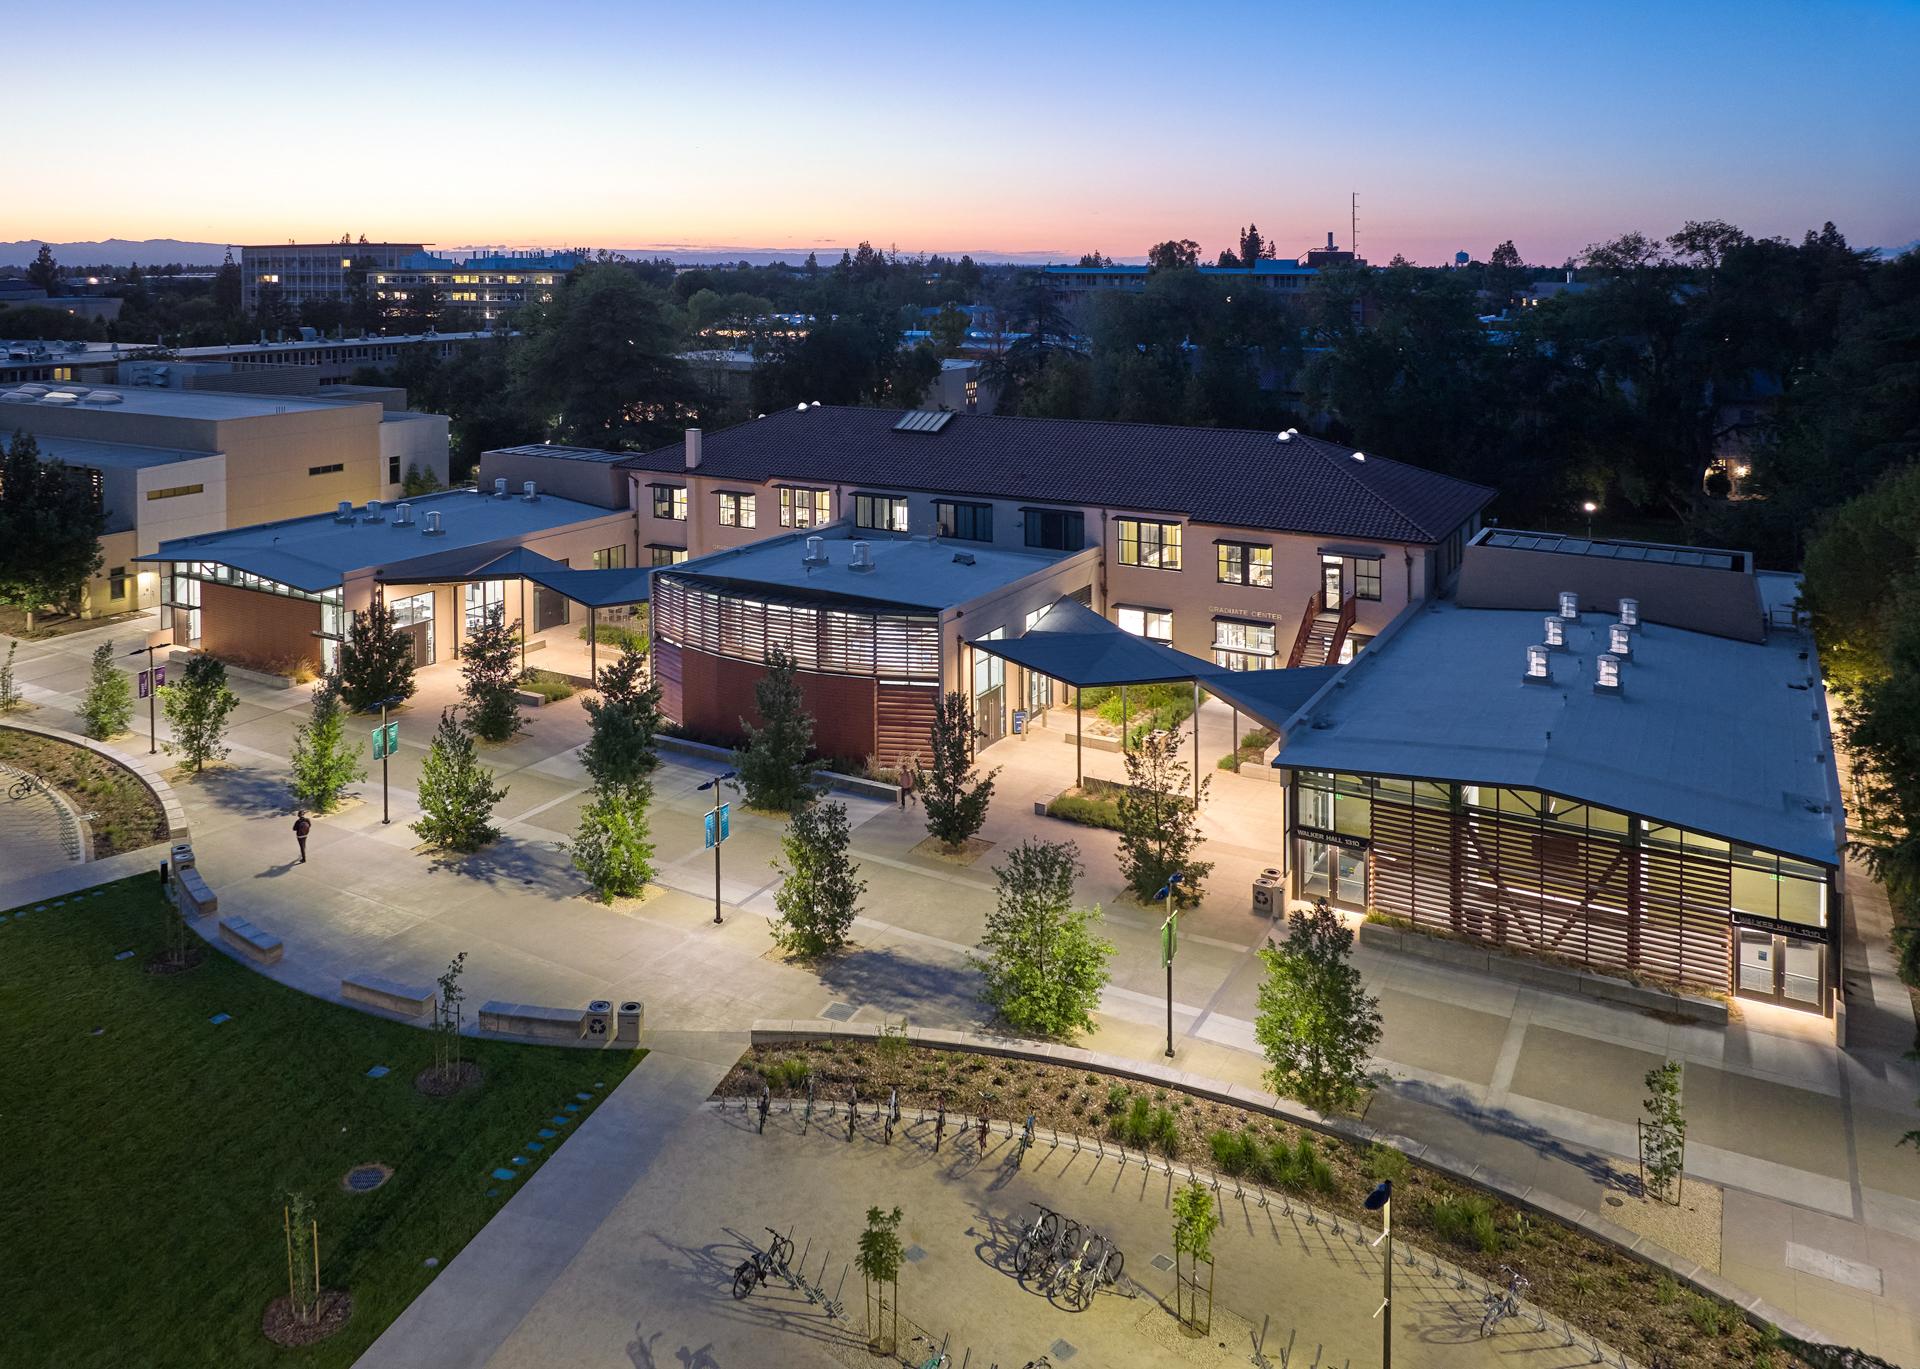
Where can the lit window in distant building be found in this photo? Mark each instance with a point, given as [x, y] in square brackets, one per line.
[610, 558]
[1155, 546]
[1242, 645]
[805, 508]
[1156, 624]
[670, 501]
[1241, 564]
[666, 556]
[736, 510]
[883, 512]
[1366, 577]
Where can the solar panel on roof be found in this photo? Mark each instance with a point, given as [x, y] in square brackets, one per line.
[923, 421]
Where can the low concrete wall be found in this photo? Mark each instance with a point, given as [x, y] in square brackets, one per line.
[142, 768]
[723, 758]
[1471, 1172]
[1490, 960]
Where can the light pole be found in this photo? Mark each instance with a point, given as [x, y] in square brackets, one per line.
[716, 834]
[155, 640]
[1381, 1201]
[386, 753]
[1590, 509]
[1169, 942]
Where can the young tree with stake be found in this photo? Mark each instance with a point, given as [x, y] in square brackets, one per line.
[1316, 1023]
[1159, 822]
[613, 847]
[956, 803]
[881, 1255]
[1041, 958]
[488, 675]
[820, 888]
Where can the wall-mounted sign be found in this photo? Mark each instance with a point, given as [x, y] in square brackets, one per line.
[1773, 924]
[1339, 839]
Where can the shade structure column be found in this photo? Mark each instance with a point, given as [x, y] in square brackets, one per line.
[1196, 744]
[1079, 773]
[593, 647]
[1123, 720]
[523, 625]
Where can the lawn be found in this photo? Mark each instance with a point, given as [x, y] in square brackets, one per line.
[142, 1222]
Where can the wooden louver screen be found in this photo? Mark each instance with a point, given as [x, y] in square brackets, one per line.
[835, 641]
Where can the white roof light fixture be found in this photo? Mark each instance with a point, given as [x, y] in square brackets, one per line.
[1538, 671]
[1556, 631]
[1630, 612]
[1569, 606]
[1606, 678]
[1620, 639]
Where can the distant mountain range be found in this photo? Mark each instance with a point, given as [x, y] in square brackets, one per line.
[116, 252]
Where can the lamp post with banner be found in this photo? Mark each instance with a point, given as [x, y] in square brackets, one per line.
[386, 740]
[717, 833]
[151, 680]
[1169, 943]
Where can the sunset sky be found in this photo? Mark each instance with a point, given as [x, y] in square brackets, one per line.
[983, 127]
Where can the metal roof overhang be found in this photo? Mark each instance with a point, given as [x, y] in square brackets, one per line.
[269, 564]
[594, 588]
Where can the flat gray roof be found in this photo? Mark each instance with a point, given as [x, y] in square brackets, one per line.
[106, 456]
[909, 572]
[555, 452]
[318, 552]
[1722, 737]
[212, 405]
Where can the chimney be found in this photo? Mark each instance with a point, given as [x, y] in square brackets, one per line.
[1538, 671]
[1330, 240]
[1556, 631]
[528, 491]
[500, 487]
[1569, 606]
[862, 557]
[693, 449]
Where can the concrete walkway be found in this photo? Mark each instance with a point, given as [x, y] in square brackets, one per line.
[1823, 1210]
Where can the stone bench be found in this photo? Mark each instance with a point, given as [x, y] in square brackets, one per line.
[262, 947]
[403, 1000]
[531, 1019]
[194, 894]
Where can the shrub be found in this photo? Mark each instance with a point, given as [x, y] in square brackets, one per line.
[1116, 1098]
[1236, 1153]
[1088, 812]
[1710, 1318]
[1300, 1167]
[787, 1076]
[1385, 1163]
[617, 634]
[1465, 1221]
[547, 685]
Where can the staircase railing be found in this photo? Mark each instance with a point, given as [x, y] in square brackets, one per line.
[1349, 610]
[1306, 631]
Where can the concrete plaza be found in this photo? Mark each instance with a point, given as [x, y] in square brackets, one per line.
[1822, 1210]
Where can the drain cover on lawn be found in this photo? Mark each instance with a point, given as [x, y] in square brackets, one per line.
[504, 1174]
[584, 1097]
[124, 955]
[378, 1072]
[915, 1254]
[839, 1012]
[1161, 1262]
[536, 1145]
[558, 1120]
[546, 1133]
[365, 1178]
[1064, 1349]
[220, 1017]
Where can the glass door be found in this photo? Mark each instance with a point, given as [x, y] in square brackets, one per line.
[1330, 584]
[1788, 970]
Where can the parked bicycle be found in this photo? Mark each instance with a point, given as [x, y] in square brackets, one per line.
[1501, 1305]
[762, 1265]
[1040, 1236]
[939, 1359]
[22, 787]
[1101, 1269]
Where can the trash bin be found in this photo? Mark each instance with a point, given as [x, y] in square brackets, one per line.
[629, 1024]
[599, 1020]
[182, 855]
[1266, 893]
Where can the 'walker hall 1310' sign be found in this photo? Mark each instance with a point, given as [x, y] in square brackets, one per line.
[1340, 839]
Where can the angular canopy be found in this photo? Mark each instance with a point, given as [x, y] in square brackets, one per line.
[594, 588]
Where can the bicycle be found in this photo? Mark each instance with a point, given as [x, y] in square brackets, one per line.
[22, 787]
[939, 1359]
[1066, 1276]
[1054, 1256]
[751, 1272]
[780, 1251]
[1041, 1234]
[1501, 1305]
[1105, 1272]
[1026, 1143]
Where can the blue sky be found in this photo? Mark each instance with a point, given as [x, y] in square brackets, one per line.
[1038, 128]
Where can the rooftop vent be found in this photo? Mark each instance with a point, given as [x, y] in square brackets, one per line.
[816, 552]
[374, 514]
[1606, 678]
[102, 397]
[343, 511]
[922, 421]
[500, 487]
[963, 558]
[529, 492]
[1630, 612]
[403, 515]
[433, 528]
[1569, 606]
[1538, 671]
[1556, 631]
[1620, 639]
[862, 557]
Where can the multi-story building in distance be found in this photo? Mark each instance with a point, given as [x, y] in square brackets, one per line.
[304, 271]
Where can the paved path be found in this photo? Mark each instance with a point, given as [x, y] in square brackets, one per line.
[1823, 1211]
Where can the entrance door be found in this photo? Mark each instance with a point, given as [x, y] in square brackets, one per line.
[413, 615]
[1788, 970]
[1330, 585]
[549, 609]
[1333, 873]
[989, 695]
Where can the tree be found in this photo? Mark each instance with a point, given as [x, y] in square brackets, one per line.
[1159, 824]
[457, 793]
[1316, 1023]
[9, 688]
[956, 804]
[613, 847]
[1041, 958]
[50, 526]
[625, 719]
[227, 288]
[1095, 261]
[1506, 256]
[1663, 1132]
[376, 660]
[1253, 247]
[820, 887]
[446, 1024]
[488, 675]
[881, 1255]
[773, 768]
[197, 710]
[324, 762]
[1173, 255]
[303, 1255]
[949, 330]
[1195, 1220]
[44, 271]
[108, 705]
[418, 482]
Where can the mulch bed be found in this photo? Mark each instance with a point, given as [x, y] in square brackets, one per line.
[466, 1075]
[279, 1324]
[125, 815]
[165, 962]
[1637, 1307]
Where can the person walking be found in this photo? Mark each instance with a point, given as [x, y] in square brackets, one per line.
[302, 825]
[906, 781]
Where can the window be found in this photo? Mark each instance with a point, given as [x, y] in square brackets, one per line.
[885, 512]
[805, 508]
[670, 501]
[1241, 564]
[1055, 529]
[666, 556]
[393, 469]
[481, 600]
[1155, 546]
[1033, 618]
[175, 491]
[117, 583]
[968, 522]
[1242, 645]
[1153, 623]
[736, 510]
[334, 469]
[1366, 577]
[610, 558]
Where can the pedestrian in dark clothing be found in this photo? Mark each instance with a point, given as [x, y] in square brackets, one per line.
[301, 826]
[906, 783]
